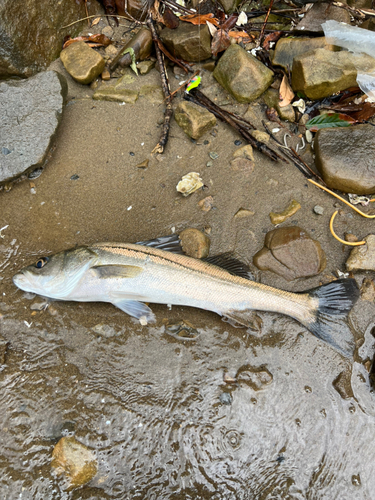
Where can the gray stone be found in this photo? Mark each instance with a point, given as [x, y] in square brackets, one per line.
[31, 111]
[31, 33]
[193, 119]
[242, 75]
[362, 258]
[291, 253]
[288, 48]
[82, 62]
[271, 98]
[318, 210]
[319, 14]
[189, 42]
[346, 158]
[321, 73]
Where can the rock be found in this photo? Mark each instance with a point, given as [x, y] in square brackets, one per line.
[152, 93]
[106, 75]
[290, 253]
[318, 210]
[288, 48]
[229, 5]
[368, 290]
[193, 119]
[82, 62]
[244, 152]
[351, 238]
[189, 183]
[242, 75]
[346, 158]
[243, 212]
[278, 218]
[319, 14]
[206, 204]
[31, 112]
[118, 92]
[260, 136]
[75, 460]
[189, 42]
[195, 243]
[362, 258]
[31, 33]
[145, 67]
[321, 73]
[242, 165]
[108, 31]
[360, 4]
[271, 98]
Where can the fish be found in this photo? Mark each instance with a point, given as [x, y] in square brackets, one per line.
[131, 275]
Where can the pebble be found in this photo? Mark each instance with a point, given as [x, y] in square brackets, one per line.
[225, 398]
[363, 257]
[195, 243]
[318, 210]
[237, 142]
[213, 155]
[278, 218]
[206, 204]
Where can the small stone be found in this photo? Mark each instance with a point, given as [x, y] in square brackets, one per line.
[272, 99]
[243, 165]
[195, 243]
[193, 119]
[209, 163]
[237, 142]
[352, 238]
[291, 253]
[145, 67]
[75, 460]
[213, 155]
[368, 290]
[243, 212]
[260, 136]
[106, 75]
[244, 152]
[82, 62]
[206, 204]
[107, 31]
[278, 218]
[110, 51]
[343, 384]
[362, 257]
[318, 210]
[189, 183]
[225, 398]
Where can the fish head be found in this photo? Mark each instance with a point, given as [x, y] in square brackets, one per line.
[57, 275]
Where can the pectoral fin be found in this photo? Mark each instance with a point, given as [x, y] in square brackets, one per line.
[116, 271]
[136, 309]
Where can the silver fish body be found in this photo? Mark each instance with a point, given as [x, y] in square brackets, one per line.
[128, 275]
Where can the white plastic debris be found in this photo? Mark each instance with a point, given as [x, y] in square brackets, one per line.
[356, 40]
[2, 229]
[301, 105]
[242, 19]
[189, 183]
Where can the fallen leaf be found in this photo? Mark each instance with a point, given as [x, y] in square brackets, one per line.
[92, 40]
[95, 21]
[272, 115]
[230, 22]
[241, 34]
[286, 94]
[170, 19]
[220, 42]
[368, 111]
[271, 37]
[200, 19]
[211, 28]
[329, 120]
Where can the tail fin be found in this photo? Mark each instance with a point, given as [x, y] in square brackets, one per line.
[335, 302]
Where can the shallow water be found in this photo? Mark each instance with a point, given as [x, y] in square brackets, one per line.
[223, 413]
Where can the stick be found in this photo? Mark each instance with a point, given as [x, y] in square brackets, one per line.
[264, 24]
[89, 17]
[159, 148]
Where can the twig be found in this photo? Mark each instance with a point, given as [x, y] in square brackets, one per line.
[359, 13]
[178, 7]
[102, 15]
[159, 148]
[259, 43]
[185, 83]
[87, 12]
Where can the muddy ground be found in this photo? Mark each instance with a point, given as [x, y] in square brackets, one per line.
[155, 407]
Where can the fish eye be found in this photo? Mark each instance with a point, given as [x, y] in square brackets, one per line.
[41, 262]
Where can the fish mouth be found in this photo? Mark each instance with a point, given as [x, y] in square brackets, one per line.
[22, 282]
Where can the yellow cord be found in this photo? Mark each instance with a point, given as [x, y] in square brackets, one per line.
[352, 244]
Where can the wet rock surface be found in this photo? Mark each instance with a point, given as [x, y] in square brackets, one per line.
[319, 14]
[82, 62]
[363, 257]
[291, 253]
[290, 210]
[75, 460]
[193, 119]
[189, 42]
[346, 158]
[43, 22]
[242, 75]
[31, 113]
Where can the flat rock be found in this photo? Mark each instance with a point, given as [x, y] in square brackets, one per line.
[193, 119]
[244, 152]
[195, 243]
[242, 75]
[319, 14]
[189, 42]
[362, 258]
[291, 209]
[290, 253]
[31, 112]
[82, 62]
[271, 98]
[118, 92]
[321, 73]
[75, 460]
[243, 165]
[288, 48]
[31, 33]
[346, 158]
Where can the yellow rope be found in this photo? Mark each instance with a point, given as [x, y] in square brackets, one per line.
[352, 244]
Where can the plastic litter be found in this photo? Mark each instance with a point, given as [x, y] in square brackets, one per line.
[356, 40]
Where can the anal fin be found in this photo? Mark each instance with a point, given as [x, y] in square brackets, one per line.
[135, 309]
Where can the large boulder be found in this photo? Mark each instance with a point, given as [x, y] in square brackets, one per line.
[346, 158]
[319, 14]
[31, 33]
[189, 42]
[321, 73]
[31, 111]
[242, 75]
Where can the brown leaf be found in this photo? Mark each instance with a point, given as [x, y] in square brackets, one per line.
[220, 42]
[271, 37]
[245, 37]
[170, 19]
[230, 22]
[272, 115]
[96, 40]
[109, 7]
[200, 19]
[365, 113]
[286, 94]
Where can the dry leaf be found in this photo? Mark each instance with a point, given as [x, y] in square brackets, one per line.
[95, 21]
[94, 40]
[197, 19]
[241, 34]
[220, 42]
[211, 28]
[170, 19]
[286, 94]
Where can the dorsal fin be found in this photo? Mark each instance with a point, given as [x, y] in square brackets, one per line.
[169, 243]
[231, 264]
